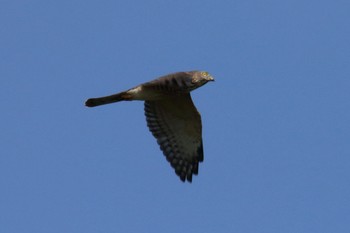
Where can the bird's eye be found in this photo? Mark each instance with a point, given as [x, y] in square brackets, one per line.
[204, 73]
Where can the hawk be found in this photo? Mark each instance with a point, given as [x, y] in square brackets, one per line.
[171, 117]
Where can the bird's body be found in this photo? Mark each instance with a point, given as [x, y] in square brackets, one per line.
[171, 117]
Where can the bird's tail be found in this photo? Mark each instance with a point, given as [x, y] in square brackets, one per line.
[93, 102]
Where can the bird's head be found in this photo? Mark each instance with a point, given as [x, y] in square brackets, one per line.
[200, 78]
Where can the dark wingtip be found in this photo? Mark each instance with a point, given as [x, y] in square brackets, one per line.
[189, 178]
[200, 152]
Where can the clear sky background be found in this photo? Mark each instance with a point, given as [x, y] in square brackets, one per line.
[276, 127]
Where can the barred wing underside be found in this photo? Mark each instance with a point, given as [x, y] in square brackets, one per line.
[176, 124]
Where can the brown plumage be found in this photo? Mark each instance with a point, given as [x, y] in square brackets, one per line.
[171, 117]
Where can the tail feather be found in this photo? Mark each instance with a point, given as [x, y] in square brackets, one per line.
[93, 102]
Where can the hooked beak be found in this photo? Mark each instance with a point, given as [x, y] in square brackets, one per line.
[210, 78]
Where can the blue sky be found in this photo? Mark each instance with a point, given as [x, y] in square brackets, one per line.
[275, 123]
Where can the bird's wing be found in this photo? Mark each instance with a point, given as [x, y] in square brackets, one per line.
[176, 124]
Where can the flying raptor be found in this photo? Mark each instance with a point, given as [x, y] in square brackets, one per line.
[171, 117]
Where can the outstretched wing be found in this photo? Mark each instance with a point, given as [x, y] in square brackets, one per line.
[176, 124]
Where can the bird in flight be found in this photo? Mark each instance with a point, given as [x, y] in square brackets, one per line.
[171, 117]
